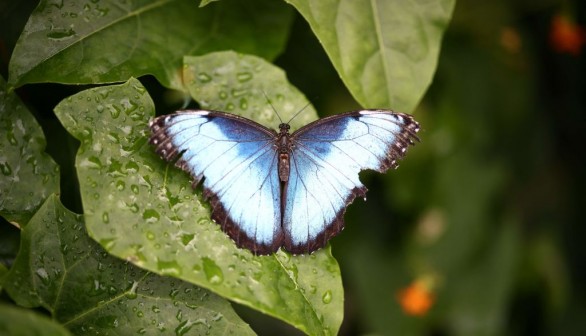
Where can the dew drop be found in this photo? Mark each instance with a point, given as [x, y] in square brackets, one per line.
[186, 238]
[212, 271]
[183, 328]
[170, 267]
[204, 77]
[131, 294]
[327, 297]
[5, 169]
[107, 322]
[134, 188]
[114, 111]
[239, 92]
[244, 76]
[11, 138]
[108, 243]
[133, 207]
[150, 215]
[243, 104]
[61, 33]
[43, 275]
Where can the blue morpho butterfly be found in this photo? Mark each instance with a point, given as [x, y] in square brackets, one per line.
[271, 189]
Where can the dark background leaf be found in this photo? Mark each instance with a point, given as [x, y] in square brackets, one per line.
[17, 321]
[29, 175]
[64, 41]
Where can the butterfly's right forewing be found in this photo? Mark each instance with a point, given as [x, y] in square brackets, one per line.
[236, 159]
[326, 158]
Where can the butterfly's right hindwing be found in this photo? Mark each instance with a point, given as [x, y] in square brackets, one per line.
[237, 162]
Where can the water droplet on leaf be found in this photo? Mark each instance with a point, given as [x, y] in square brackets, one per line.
[212, 271]
[327, 297]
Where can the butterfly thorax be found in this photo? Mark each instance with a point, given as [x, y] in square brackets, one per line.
[283, 149]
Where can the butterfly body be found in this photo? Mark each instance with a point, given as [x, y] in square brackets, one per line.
[270, 189]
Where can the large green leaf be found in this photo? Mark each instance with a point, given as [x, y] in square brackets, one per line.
[142, 209]
[61, 269]
[108, 41]
[385, 51]
[227, 81]
[17, 321]
[27, 174]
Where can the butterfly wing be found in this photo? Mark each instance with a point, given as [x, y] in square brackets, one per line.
[237, 162]
[326, 158]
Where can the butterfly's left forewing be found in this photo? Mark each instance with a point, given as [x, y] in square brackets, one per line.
[326, 157]
[236, 159]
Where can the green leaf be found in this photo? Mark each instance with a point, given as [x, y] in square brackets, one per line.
[385, 51]
[17, 321]
[27, 174]
[108, 41]
[144, 210]
[89, 291]
[204, 3]
[227, 81]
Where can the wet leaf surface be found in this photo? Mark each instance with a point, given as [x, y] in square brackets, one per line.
[89, 291]
[64, 41]
[27, 174]
[144, 210]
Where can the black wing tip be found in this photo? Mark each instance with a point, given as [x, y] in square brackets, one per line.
[164, 147]
[406, 137]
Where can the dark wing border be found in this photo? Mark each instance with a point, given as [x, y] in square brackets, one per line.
[161, 140]
[405, 138]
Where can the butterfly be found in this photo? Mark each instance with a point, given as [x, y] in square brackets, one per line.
[270, 189]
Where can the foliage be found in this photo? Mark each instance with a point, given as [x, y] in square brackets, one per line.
[136, 206]
[473, 234]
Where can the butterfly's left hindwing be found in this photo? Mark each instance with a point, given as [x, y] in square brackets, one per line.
[325, 160]
[237, 162]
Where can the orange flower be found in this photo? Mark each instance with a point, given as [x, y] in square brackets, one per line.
[565, 36]
[417, 298]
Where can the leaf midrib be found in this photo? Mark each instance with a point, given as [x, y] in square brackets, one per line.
[382, 49]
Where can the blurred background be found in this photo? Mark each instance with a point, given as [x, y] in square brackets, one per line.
[479, 231]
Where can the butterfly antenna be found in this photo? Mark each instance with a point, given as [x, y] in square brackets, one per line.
[274, 109]
[298, 112]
